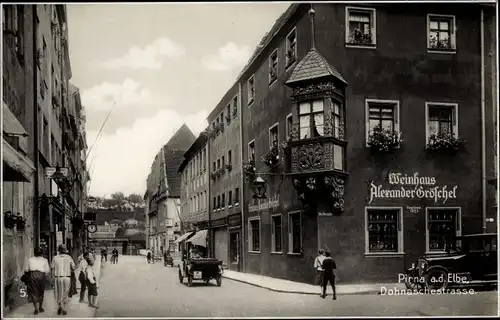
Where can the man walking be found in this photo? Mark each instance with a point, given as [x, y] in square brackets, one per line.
[329, 268]
[62, 265]
[82, 267]
[318, 266]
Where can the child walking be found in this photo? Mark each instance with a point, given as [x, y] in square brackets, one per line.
[91, 284]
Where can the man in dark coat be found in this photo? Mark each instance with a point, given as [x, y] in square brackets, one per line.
[329, 268]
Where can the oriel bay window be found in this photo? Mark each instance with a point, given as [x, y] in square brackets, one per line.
[443, 226]
[311, 119]
[383, 230]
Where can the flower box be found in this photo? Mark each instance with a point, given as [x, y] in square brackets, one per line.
[358, 37]
[384, 140]
[214, 175]
[445, 142]
[20, 223]
[272, 76]
[235, 112]
[9, 220]
[291, 58]
[249, 170]
[229, 166]
[228, 119]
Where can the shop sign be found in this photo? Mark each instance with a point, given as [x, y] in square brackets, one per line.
[412, 187]
[218, 222]
[271, 203]
[234, 220]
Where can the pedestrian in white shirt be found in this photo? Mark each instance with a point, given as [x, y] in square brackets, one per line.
[318, 262]
[91, 284]
[82, 267]
[37, 270]
[62, 265]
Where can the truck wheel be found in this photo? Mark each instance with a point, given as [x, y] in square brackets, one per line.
[190, 281]
[219, 281]
[181, 278]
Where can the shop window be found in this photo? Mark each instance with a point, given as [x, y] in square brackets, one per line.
[276, 235]
[294, 233]
[254, 234]
[443, 226]
[384, 230]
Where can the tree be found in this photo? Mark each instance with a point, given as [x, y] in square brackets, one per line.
[135, 200]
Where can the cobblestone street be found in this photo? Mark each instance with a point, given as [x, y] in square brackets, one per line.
[134, 288]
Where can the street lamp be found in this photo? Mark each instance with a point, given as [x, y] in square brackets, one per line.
[259, 188]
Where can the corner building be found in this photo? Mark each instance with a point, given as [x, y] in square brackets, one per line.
[359, 100]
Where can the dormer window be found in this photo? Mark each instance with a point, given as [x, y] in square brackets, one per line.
[311, 119]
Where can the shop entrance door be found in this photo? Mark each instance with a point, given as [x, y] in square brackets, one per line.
[234, 250]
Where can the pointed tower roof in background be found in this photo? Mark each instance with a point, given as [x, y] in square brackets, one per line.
[182, 139]
[313, 66]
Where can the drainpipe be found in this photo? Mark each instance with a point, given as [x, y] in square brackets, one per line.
[483, 129]
[36, 155]
[242, 250]
[210, 233]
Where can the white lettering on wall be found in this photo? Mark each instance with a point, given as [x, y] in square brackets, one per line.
[411, 187]
[273, 202]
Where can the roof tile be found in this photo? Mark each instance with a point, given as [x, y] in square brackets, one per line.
[313, 66]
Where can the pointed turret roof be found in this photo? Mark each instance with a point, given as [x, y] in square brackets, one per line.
[313, 66]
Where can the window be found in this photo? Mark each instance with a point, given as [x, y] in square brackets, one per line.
[294, 232]
[273, 67]
[441, 118]
[215, 167]
[251, 90]
[223, 201]
[383, 114]
[273, 136]
[218, 203]
[20, 33]
[291, 48]
[338, 125]
[254, 234]
[214, 204]
[235, 107]
[289, 125]
[276, 237]
[443, 226]
[361, 27]
[251, 150]
[311, 118]
[441, 33]
[218, 164]
[228, 112]
[223, 161]
[230, 199]
[384, 234]
[236, 196]
[204, 159]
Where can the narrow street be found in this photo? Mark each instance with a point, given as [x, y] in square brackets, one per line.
[134, 288]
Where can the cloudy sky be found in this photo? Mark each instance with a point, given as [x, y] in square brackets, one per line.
[160, 65]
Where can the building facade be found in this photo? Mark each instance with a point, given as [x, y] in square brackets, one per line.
[194, 172]
[164, 193]
[358, 129]
[39, 205]
[225, 179]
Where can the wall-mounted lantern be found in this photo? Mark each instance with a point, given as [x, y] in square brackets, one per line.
[259, 188]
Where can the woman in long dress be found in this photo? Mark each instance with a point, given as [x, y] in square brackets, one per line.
[37, 268]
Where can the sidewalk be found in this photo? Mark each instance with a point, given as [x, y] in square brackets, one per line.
[280, 285]
[75, 308]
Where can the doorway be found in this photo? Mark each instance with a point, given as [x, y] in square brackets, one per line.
[234, 251]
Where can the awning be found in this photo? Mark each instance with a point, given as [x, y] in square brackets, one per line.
[200, 238]
[16, 167]
[184, 237]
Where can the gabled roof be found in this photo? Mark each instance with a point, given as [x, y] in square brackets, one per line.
[173, 159]
[313, 66]
[182, 139]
